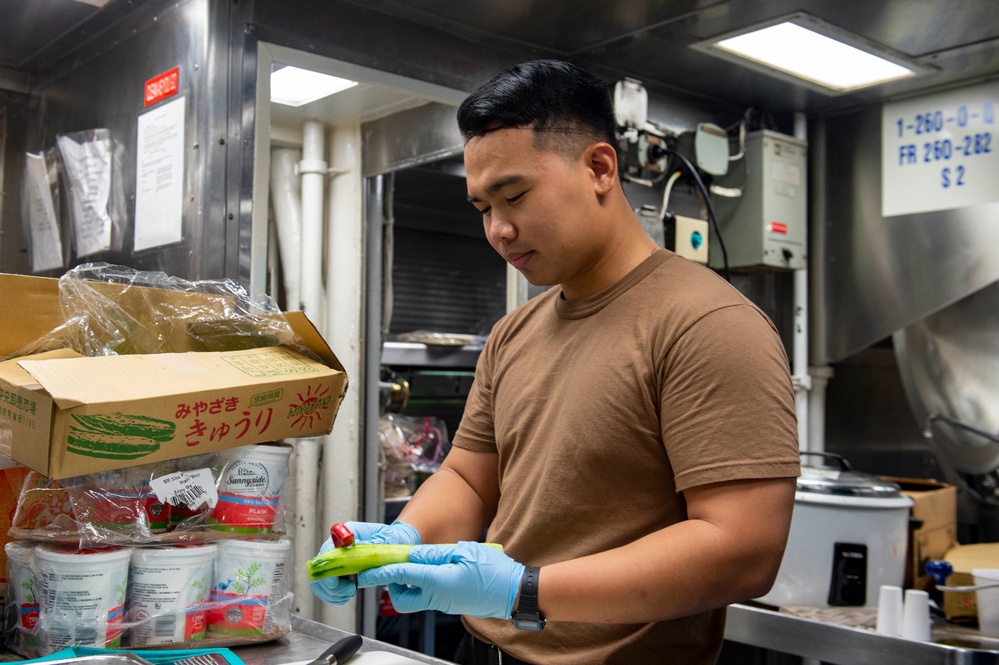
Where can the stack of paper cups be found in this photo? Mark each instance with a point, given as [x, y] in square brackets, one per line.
[988, 600]
[890, 610]
[916, 615]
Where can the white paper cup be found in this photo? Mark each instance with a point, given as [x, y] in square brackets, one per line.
[916, 615]
[168, 590]
[250, 488]
[988, 600]
[250, 579]
[82, 596]
[890, 610]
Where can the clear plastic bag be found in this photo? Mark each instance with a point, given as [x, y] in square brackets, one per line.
[413, 447]
[231, 493]
[112, 310]
[163, 597]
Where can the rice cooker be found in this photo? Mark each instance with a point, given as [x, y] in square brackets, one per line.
[849, 535]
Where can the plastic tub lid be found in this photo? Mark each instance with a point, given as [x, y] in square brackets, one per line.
[846, 483]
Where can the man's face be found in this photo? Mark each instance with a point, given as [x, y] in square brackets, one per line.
[536, 205]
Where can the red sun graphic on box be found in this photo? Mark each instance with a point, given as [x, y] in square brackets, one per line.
[311, 407]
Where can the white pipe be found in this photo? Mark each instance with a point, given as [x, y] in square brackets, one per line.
[286, 194]
[342, 450]
[313, 170]
[817, 408]
[272, 258]
[821, 374]
[800, 377]
[799, 365]
[303, 528]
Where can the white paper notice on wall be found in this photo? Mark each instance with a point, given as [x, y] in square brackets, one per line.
[46, 240]
[88, 165]
[159, 176]
[941, 151]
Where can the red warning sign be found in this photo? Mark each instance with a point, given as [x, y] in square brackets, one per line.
[162, 86]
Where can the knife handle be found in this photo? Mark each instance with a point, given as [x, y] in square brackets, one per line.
[341, 651]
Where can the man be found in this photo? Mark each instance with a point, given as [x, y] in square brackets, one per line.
[630, 436]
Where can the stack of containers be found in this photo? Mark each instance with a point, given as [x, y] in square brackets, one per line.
[108, 367]
[194, 556]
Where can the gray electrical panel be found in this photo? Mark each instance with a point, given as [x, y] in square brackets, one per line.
[765, 227]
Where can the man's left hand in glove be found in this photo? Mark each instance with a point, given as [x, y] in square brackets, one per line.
[466, 578]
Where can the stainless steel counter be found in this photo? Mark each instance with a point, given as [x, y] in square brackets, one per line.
[843, 645]
[746, 624]
[308, 639]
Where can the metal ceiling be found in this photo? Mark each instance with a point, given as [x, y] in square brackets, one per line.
[651, 40]
[646, 39]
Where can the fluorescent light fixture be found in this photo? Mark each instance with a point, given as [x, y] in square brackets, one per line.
[806, 50]
[292, 86]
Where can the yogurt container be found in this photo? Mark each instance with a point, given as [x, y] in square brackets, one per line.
[168, 592]
[22, 594]
[250, 488]
[250, 586]
[81, 596]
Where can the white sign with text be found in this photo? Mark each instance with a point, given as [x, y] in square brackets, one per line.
[940, 152]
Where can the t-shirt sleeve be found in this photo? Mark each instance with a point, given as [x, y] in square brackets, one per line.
[476, 432]
[727, 405]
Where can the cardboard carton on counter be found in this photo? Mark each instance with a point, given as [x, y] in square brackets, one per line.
[66, 415]
[934, 505]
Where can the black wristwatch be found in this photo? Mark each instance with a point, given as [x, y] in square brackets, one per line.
[527, 616]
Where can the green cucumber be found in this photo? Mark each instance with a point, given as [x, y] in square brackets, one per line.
[341, 561]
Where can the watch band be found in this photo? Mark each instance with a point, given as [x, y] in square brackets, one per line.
[527, 616]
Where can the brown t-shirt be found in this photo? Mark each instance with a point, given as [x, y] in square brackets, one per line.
[602, 411]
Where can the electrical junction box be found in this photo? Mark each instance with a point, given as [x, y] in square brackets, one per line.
[631, 103]
[707, 147]
[766, 227]
[691, 238]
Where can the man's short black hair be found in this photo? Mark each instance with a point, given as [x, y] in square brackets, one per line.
[567, 107]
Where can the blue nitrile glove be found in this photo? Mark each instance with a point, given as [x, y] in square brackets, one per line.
[338, 590]
[467, 578]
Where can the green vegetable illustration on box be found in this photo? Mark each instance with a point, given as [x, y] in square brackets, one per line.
[120, 590]
[118, 435]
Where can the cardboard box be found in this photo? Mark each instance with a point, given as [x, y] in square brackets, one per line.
[962, 606]
[65, 415]
[934, 504]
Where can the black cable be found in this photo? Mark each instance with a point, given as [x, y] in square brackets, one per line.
[711, 210]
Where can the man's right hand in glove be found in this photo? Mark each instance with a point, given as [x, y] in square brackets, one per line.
[339, 590]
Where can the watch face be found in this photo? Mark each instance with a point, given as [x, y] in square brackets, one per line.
[528, 622]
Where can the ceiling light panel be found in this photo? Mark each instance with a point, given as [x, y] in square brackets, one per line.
[293, 86]
[808, 51]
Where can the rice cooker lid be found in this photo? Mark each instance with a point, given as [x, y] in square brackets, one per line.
[823, 480]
